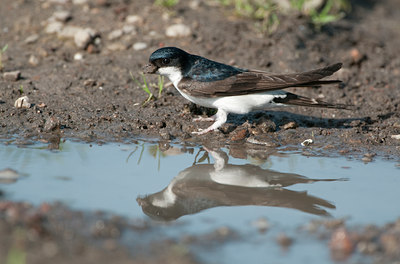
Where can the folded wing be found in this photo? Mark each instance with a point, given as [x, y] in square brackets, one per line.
[253, 81]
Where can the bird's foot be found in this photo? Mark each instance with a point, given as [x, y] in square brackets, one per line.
[220, 119]
[203, 131]
[201, 119]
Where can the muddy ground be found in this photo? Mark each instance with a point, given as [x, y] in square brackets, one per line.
[95, 99]
[87, 93]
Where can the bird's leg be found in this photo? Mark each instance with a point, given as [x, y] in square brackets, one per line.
[220, 119]
[200, 118]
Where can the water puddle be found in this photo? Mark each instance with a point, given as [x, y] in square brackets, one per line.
[198, 190]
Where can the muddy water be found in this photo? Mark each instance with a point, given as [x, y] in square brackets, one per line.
[198, 190]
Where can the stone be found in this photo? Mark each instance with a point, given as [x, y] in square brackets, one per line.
[51, 124]
[33, 60]
[290, 125]
[12, 76]
[53, 27]
[115, 34]
[22, 102]
[395, 136]
[79, 2]
[116, 47]
[32, 39]
[78, 56]
[134, 19]
[129, 29]
[69, 31]
[83, 37]
[307, 142]
[178, 30]
[62, 15]
[139, 46]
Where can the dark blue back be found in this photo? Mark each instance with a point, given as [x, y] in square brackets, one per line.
[205, 70]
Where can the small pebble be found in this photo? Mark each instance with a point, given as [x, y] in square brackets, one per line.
[12, 76]
[139, 46]
[239, 135]
[33, 60]
[78, 56]
[356, 56]
[89, 82]
[266, 125]
[178, 30]
[115, 34]
[51, 124]
[290, 125]
[22, 102]
[261, 141]
[32, 39]
[79, 2]
[134, 19]
[83, 37]
[62, 15]
[68, 31]
[53, 27]
[307, 142]
[129, 29]
[116, 46]
[395, 136]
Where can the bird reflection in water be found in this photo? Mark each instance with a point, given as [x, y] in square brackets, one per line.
[204, 186]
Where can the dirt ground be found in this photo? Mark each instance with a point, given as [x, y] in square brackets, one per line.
[87, 92]
[95, 99]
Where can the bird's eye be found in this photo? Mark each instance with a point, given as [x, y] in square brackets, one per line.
[166, 61]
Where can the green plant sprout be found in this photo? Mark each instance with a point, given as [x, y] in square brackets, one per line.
[16, 254]
[265, 12]
[21, 89]
[160, 85]
[144, 86]
[330, 11]
[1, 55]
[166, 3]
[327, 14]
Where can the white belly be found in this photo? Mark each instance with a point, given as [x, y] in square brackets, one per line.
[240, 104]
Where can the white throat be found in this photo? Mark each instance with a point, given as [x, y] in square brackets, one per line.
[173, 73]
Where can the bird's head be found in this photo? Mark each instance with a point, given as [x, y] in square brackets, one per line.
[168, 61]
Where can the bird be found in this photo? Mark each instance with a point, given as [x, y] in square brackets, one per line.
[231, 89]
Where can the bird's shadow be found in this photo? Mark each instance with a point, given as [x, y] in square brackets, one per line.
[277, 119]
[280, 118]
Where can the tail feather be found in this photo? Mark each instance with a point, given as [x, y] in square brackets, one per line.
[293, 99]
[317, 83]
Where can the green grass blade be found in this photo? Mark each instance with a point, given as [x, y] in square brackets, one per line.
[160, 85]
[4, 48]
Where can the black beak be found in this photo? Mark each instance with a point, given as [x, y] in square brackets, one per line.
[149, 68]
